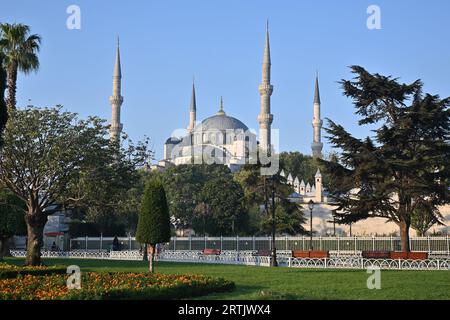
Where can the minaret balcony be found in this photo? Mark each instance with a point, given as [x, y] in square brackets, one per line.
[265, 118]
[265, 89]
[317, 123]
[116, 100]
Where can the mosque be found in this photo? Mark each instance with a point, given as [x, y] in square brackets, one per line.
[224, 139]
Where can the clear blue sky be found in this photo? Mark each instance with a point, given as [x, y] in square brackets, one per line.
[165, 43]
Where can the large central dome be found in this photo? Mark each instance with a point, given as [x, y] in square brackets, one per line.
[221, 122]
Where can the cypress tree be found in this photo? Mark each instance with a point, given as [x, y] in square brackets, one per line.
[154, 220]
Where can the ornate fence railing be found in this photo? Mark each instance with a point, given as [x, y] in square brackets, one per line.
[337, 260]
[361, 263]
[437, 245]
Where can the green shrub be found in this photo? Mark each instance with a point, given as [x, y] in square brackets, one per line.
[10, 271]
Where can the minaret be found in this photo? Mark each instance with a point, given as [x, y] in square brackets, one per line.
[116, 99]
[317, 145]
[318, 191]
[265, 118]
[192, 111]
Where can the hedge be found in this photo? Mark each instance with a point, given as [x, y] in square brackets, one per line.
[8, 271]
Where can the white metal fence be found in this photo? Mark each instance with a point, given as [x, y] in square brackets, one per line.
[439, 245]
[336, 260]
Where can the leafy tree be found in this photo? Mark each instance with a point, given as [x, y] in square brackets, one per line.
[299, 165]
[53, 160]
[20, 50]
[184, 185]
[154, 220]
[221, 210]
[424, 217]
[11, 218]
[289, 219]
[404, 166]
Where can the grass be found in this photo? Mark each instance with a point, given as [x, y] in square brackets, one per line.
[290, 283]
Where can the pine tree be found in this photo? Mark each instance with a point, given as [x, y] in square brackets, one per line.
[154, 220]
[404, 166]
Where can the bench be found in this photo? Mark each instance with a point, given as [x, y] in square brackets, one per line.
[376, 254]
[310, 254]
[409, 255]
[211, 252]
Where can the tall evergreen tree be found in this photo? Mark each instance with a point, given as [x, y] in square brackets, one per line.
[154, 220]
[404, 166]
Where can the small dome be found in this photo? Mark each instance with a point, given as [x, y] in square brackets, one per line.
[173, 140]
[221, 122]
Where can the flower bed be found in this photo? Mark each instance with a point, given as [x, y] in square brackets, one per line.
[8, 271]
[112, 286]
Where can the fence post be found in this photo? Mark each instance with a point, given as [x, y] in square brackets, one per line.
[338, 244]
[270, 244]
[254, 243]
[190, 242]
[286, 248]
[221, 243]
[86, 243]
[129, 241]
[303, 243]
[392, 243]
[373, 243]
[356, 243]
[101, 241]
[175, 243]
[320, 243]
[428, 242]
[237, 244]
[448, 245]
[205, 244]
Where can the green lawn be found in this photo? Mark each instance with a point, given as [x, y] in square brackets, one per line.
[289, 283]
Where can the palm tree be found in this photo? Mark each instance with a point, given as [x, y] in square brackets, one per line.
[20, 53]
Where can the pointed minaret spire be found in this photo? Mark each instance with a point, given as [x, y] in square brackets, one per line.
[265, 118]
[316, 91]
[192, 110]
[317, 122]
[116, 99]
[221, 112]
[117, 68]
[266, 58]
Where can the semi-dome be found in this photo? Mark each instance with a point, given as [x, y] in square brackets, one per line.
[221, 122]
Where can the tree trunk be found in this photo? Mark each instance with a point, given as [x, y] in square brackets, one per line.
[404, 235]
[12, 86]
[151, 256]
[6, 250]
[2, 242]
[145, 257]
[35, 231]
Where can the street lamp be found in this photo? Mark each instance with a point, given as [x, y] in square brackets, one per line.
[311, 207]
